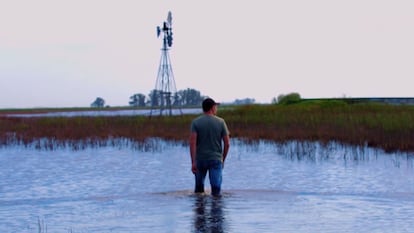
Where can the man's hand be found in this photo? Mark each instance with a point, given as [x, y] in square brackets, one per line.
[194, 168]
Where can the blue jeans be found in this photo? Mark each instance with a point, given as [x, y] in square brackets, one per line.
[215, 169]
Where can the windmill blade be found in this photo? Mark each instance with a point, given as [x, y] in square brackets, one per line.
[158, 31]
[169, 18]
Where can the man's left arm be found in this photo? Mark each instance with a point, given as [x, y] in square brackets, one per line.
[193, 149]
[226, 146]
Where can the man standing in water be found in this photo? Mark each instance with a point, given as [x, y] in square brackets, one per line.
[209, 145]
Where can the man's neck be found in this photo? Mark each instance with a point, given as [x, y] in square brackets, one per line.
[210, 113]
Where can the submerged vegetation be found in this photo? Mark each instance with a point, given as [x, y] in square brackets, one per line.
[389, 127]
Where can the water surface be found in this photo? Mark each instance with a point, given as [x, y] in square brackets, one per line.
[295, 187]
[108, 113]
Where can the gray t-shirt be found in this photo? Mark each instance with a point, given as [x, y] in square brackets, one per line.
[210, 130]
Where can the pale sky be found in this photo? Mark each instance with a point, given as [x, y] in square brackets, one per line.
[65, 53]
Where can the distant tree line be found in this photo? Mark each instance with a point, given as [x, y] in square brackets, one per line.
[187, 97]
[192, 97]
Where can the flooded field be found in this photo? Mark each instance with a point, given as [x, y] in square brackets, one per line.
[107, 113]
[294, 187]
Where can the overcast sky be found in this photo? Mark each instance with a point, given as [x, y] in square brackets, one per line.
[65, 53]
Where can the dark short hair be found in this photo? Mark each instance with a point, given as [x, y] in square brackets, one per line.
[208, 104]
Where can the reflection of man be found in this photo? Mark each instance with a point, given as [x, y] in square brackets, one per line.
[209, 218]
[207, 152]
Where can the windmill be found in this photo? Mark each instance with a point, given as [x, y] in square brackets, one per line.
[163, 97]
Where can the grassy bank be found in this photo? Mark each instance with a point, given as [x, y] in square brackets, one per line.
[383, 126]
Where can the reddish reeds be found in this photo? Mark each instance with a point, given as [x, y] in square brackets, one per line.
[92, 130]
[381, 126]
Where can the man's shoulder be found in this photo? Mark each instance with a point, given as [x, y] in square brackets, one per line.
[199, 118]
[207, 118]
[218, 118]
[198, 121]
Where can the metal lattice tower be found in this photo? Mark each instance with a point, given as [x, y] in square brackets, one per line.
[165, 90]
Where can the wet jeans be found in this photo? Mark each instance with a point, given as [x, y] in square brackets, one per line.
[214, 168]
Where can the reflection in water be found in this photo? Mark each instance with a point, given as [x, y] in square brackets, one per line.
[208, 214]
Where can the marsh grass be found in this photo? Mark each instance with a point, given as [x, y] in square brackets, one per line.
[388, 127]
[374, 125]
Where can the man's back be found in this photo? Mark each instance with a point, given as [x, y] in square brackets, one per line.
[210, 131]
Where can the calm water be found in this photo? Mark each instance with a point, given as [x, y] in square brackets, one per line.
[137, 112]
[267, 188]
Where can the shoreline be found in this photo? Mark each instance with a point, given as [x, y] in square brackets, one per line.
[382, 126]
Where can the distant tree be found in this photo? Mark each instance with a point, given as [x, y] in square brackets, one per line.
[98, 103]
[137, 100]
[189, 97]
[244, 101]
[155, 98]
[176, 100]
[290, 98]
